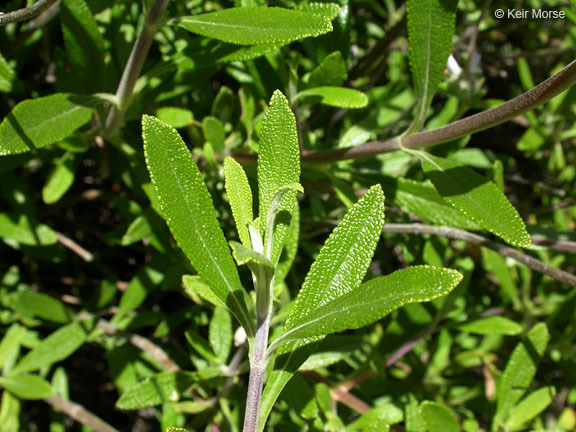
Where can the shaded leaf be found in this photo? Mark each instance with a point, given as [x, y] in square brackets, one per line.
[477, 198]
[257, 25]
[214, 133]
[331, 72]
[521, 368]
[175, 117]
[7, 76]
[431, 25]
[220, 333]
[59, 181]
[243, 255]
[56, 347]
[492, 325]
[35, 304]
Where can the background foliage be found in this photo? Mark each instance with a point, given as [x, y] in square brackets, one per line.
[102, 309]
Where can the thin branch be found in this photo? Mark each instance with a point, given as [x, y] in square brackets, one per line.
[75, 247]
[505, 251]
[340, 394]
[80, 414]
[539, 95]
[144, 344]
[134, 67]
[25, 13]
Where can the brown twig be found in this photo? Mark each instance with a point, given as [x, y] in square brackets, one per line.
[539, 95]
[134, 67]
[74, 247]
[25, 13]
[80, 414]
[142, 343]
[505, 251]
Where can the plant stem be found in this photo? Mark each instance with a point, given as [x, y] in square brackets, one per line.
[25, 13]
[505, 251]
[258, 364]
[134, 67]
[80, 414]
[539, 95]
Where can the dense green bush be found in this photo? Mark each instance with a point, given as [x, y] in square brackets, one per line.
[287, 215]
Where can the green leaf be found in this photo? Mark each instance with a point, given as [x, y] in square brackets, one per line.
[424, 200]
[11, 342]
[160, 388]
[339, 97]
[220, 334]
[374, 300]
[477, 198]
[59, 180]
[438, 418]
[497, 265]
[24, 230]
[56, 347]
[175, 117]
[7, 76]
[529, 407]
[431, 25]
[35, 304]
[243, 255]
[27, 386]
[328, 10]
[278, 167]
[84, 43]
[331, 72]
[492, 325]
[214, 133]
[193, 285]
[521, 368]
[10, 413]
[190, 214]
[240, 197]
[377, 419]
[338, 269]
[36, 123]
[257, 25]
[290, 249]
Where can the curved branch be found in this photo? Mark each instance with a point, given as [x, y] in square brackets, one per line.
[26, 13]
[80, 414]
[539, 95]
[505, 251]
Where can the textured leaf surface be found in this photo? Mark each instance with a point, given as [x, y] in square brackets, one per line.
[431, 25]
[424, 200]
[477, 198]
[190, 214]
[530, 407]
[27, 386]
[338, 269]
[194, 285]
[521, 368]
[492, 325]
[331, 72]
[39, 305]
[438, 418]
[328, 10]
[278, 166]
[243, 255]
[240, 197]
[58, 346]
[36, 123]
[159, 389]
[339, 97]
[374, 300]
[257, 25]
